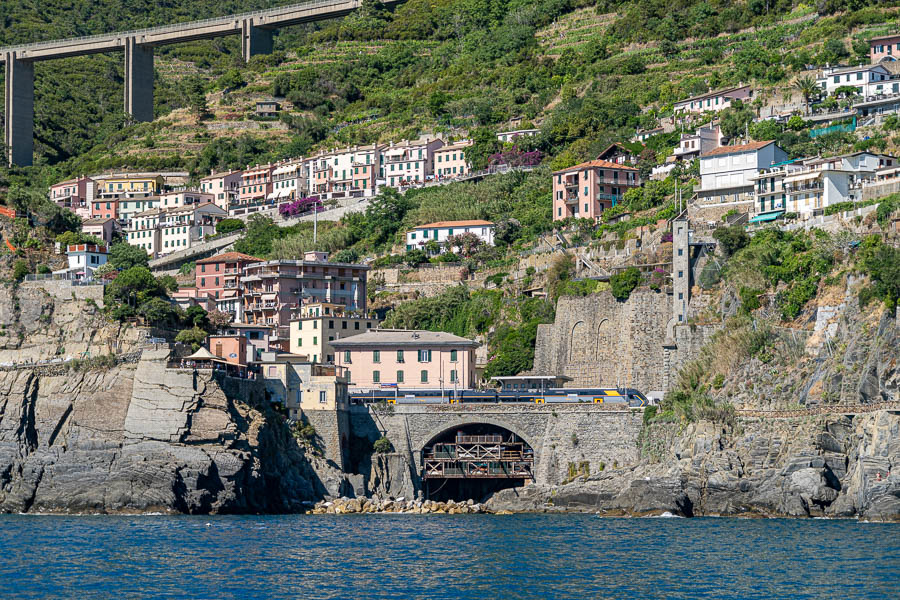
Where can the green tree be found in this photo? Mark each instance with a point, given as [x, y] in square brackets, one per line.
[158, 311]
[731, 239]
[229, 225]
[806, 85]
[194, 336]
[484, 144]
[20, 269]
[623, 283]
[735, 119]
[123, 255]
[133, 287]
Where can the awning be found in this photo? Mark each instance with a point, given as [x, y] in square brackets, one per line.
[272, 196]
[769, 216]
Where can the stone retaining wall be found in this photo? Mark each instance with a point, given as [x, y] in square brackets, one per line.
[66, 290]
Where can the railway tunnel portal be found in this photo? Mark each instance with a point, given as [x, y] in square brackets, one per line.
[464, 451]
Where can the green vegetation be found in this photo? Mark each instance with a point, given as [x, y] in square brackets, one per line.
[510, 324]
[882, 264]
[624, 282]
[382, 446]
[229, 225]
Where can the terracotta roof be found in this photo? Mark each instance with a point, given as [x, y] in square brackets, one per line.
[440, 224]
[229, 256]
[96, 221]
[222, 174]
[403, 337]
[739, 148]
[601, 164]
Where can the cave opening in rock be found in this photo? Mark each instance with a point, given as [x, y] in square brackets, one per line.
[473, 461]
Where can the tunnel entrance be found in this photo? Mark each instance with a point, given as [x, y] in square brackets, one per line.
[474, 461]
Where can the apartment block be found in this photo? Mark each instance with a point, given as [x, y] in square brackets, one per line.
[220, 275]
[320, 323]
[274, 290]
[225, 187]
[586, 190]
[450, 161]
[410, 162]
[727, 173]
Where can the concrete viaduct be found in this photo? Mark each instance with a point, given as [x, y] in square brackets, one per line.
[255, 29]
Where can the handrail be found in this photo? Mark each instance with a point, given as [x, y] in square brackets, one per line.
[187, 24]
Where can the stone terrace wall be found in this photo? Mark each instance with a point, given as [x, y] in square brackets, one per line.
[65, 290]
[599, 341]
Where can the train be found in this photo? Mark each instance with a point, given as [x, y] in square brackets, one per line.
[629, 396]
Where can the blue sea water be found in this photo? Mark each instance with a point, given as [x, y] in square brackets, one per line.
[478, 557]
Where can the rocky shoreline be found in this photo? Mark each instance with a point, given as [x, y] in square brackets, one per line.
[376, 505]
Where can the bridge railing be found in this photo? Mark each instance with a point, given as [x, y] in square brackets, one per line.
[173, 26]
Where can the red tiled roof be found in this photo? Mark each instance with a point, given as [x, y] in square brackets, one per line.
[739, 148]
[229, 257]
[440, 224]
[601, 164]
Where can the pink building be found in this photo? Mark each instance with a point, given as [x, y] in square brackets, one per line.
[410, 162]
[410, 359]
[450, 161]
[231, 348]
[220, 275]
[74, 195]
[107, 208]
[225, 187]
[586, 190]
[256, 184]
[272, 291]
[102, 229]
[714, 101]
[885, 47]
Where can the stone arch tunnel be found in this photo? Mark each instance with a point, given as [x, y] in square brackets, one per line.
[555, 437]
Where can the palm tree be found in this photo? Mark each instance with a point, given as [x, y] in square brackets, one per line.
[806, 85]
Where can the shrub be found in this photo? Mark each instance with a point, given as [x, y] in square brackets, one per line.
[382, 445]
[623, 283]
[749, 299]
[229, 225]
[731, 239]
[20, 269]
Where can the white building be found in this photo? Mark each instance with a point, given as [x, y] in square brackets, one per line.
[726, 173]
[129, 208]
[346, 172]
[713, 101]
[510, 136]
[162, 231]
[808, 187]
[869, 80]
[703, 140]
[290, 180]
[410, 162]
[440, 231]
[184, 198]
[84, 259]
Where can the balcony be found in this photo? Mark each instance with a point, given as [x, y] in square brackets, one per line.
[815, 186]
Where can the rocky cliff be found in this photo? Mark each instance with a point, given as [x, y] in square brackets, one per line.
[810, 435]
[140, 437]
[839, 466]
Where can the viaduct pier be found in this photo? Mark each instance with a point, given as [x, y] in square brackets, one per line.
[255, 28]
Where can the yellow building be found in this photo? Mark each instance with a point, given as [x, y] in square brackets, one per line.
[320, 324]
[300, 386]
[129, 185]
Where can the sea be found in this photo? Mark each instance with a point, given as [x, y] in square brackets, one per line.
[477, 557]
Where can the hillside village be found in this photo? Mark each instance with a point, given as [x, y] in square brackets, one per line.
[712, 180]
[696, 230]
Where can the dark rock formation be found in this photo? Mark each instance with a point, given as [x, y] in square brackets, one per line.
[144, 438]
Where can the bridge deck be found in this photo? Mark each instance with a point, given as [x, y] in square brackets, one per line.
[273, 18]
